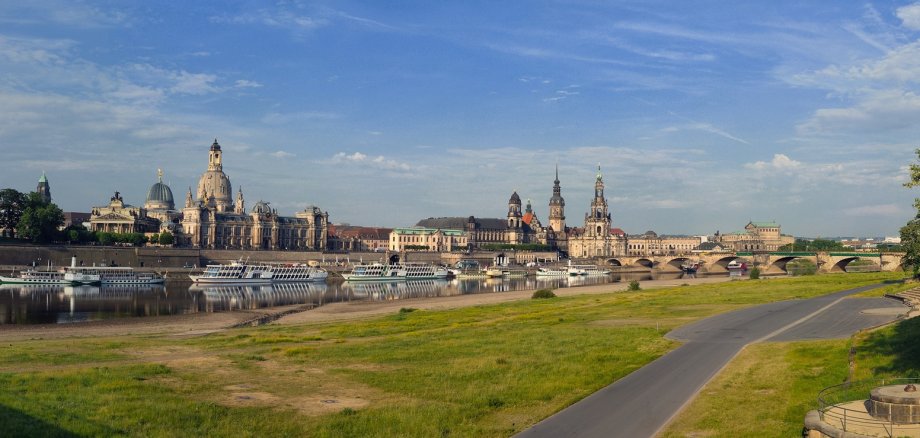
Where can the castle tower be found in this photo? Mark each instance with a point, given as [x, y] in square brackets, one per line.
[557, 207]
[597, 221]
[514, 211]
[44, 189]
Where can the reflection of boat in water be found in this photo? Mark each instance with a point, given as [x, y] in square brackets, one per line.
[381, 291]
[243, 296]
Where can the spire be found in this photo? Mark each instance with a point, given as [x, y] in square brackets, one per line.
[160, 174]
[188, 198]
[599, 171]
[557, 174]
[44, 178]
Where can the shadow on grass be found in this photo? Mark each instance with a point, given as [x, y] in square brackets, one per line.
[901, 344]
[16, 423]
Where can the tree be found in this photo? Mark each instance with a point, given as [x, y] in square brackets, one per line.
[40, 220]
[12, 203]
[167, 239]
[910, 233]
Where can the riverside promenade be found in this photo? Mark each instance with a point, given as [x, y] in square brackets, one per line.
[644, 402]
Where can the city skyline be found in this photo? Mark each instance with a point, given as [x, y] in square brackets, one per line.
[701, 117]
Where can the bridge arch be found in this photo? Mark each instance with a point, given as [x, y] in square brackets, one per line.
[841, 265]
[675, 264]
[779, 265]
[614, 262]
[722, 263]
[644, 262]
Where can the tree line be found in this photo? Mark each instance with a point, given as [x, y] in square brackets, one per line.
[29, 217]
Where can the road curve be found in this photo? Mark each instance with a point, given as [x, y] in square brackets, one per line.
[643, 402]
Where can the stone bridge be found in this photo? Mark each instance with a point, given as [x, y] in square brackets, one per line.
[768, 262]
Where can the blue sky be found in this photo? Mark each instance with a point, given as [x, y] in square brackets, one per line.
[702, 115]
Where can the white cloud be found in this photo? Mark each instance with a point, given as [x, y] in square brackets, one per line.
[910, 16]
[779, 162]
[242, 83]
[282, 154]
[876, 210]
[378, 162]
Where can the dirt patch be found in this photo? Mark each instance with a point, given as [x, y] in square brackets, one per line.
[323, 404]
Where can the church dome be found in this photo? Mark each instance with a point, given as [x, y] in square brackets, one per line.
[261, 207]
[215, 183]
[160, 196]
[515, 199]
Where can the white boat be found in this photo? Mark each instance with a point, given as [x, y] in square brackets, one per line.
[495, 272]
[234, 273]
[66, 276]
[408, 271]
[589, 270]
[109, 275]
[552, 272]
[514, 273]
[282, 273]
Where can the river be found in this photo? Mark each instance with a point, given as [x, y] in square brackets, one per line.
[52, 304]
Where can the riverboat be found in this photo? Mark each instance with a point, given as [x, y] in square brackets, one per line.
[495, 272]
[283, 273]
[408, 271]
[111, 275]
[589, 270]
[234, 273]
[552, 272]
[36, 277]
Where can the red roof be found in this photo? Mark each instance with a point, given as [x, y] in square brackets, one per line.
[528, 217]
[617, 232]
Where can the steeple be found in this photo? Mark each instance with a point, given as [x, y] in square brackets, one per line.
[215, 157]
[44, 189]
[240, 204]
[557, 206]
[188, 198]
[597, 221]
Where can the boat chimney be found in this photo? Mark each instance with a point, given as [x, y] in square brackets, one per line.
[73, 261]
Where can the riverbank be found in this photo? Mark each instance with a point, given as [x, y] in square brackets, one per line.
[198, 324]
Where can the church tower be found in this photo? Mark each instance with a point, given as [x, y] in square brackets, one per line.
[215, 157]
[240, 204]
[597, 221]
[557, 208]
[514, 211]
[44, 189]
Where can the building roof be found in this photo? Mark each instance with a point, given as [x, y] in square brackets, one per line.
[528, 218]
[771, 224]
[710, 246]
[461, 223]
[356, 232]
[617, 232]
[425, 230]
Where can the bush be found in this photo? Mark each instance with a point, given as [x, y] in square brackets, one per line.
[543, 293]
[634, 285]
[755, 273]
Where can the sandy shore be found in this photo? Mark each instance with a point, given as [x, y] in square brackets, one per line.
[203, 323]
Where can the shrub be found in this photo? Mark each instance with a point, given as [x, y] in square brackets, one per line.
[407, 310]
[634, 285]
[543, 293]
[755, 273]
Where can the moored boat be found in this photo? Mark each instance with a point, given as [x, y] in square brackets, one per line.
[234, 273]
[297, 272]
[552, 272]
[408, 271]
[111, 275]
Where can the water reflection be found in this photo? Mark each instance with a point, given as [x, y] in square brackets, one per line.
[53, 304]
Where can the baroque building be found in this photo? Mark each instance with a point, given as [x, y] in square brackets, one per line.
[118, 217]
[757, 236]
[597, 239]
[213, 220]
[161, 206]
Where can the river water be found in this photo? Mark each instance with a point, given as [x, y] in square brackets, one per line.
[46, 304]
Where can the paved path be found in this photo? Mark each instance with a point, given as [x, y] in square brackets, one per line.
[643, 402]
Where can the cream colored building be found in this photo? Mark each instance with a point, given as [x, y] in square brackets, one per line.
[757, 236]
[214, 220]
[118, 217]
[596, 239]
[427, 239]
[651, 244]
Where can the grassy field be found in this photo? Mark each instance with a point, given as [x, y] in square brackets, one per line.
[479, 371]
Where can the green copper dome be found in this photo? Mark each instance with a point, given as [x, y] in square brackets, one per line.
[160, 196]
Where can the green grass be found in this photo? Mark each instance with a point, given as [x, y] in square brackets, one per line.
[477, 371]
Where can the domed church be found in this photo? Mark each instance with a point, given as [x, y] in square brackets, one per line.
[212, 219]
[160, 205]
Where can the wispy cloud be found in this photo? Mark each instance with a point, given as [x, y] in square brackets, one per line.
[379, 162]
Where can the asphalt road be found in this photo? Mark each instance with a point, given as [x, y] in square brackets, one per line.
[643, 402]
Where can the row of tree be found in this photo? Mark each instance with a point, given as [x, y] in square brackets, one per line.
[28, 216]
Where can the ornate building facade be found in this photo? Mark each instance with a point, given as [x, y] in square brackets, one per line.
[214, 220]
[161, 206]
[597, 239]
[757, 236]
[118, 217]
[427, 239]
